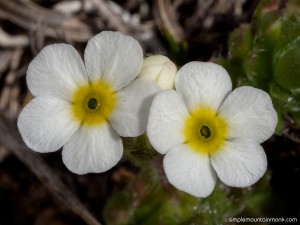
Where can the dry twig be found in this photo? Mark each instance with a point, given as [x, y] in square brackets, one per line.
[5, 58]
[33, 17]
[114, 20]
[8, 41]
[165, 19]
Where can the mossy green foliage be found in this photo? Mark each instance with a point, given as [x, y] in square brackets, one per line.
[266, 54]
[149, 199]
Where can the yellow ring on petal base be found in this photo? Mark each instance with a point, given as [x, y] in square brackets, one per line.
[93, 103]
[204, 131]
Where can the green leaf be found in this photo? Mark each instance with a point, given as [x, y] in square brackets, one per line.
[240, 42]
[243, 81]
[257, 66]
[287, 65]
[265, 14]
[178, 50]
[278, 92]
[286, 100]
[272, 35]
[296, 117]
[233, 67]
[290, 29]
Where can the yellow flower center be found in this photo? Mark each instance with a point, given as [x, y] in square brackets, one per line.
[93, 103]
[205, 131]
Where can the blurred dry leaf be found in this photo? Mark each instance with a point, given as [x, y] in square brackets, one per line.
[7, 40]
[32, 17]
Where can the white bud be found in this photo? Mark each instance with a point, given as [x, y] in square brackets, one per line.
[160, 69]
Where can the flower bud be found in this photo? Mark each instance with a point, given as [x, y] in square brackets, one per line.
[160, 69]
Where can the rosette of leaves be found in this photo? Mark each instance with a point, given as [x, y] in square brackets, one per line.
[266, 54]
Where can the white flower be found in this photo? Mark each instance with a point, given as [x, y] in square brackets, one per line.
[205, 129]
[160, 69]
[86, 107]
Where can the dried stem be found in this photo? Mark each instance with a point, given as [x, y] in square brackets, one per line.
[114, 20]
[32, 17]
[165, 19]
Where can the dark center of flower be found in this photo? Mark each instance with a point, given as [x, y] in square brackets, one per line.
[93, 103]
[205, 132]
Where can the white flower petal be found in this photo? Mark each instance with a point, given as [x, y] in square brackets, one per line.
[57, 70]
[189, 171]
[113, 57]
[249, 113]
[166, 121]
[130, 117]
[92, 150]
[240, 163]
[203, 84]
[46, 124]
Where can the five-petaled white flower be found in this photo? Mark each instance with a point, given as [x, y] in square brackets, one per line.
[204, 128]
[86, 107]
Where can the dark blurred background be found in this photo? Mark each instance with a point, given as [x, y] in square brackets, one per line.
[38, 189]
